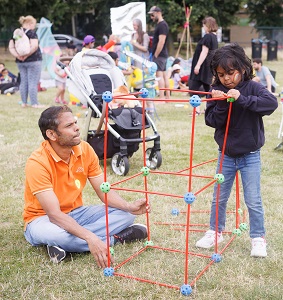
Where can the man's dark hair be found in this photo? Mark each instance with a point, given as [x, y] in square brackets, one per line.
[49, 118]
[257, 60]
[231, 56]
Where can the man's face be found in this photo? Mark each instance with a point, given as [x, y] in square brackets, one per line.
[256, 66]
[154, 17]
[68, 132]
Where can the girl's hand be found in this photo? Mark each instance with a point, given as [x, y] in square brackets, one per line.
[217, 94]
[233, 94]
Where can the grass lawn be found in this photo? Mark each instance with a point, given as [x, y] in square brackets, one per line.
[27, 273]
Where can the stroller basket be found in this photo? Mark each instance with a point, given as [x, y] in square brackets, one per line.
[113, 143]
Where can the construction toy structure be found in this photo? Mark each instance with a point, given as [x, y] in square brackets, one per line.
[188, 197]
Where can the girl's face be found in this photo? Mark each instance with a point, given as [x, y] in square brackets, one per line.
[135, 25]
[229, 79]
[205, 28]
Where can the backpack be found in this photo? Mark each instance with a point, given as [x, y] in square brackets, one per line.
[22, 43]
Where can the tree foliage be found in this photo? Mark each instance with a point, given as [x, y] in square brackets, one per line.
[266, 12]
[60, 12]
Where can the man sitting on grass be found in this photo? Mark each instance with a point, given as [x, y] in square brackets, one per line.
[56, 174]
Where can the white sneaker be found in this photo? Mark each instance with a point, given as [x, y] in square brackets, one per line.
[258, 247]
[208, 240]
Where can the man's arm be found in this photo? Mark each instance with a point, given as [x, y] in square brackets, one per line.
[50, 204]
[137, 207]
[160, 44]
[268, 82]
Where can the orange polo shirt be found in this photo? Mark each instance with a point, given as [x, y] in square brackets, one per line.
[45, 170]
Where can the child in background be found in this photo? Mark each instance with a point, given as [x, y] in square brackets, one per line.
[175, 75]
[4, 76]
[233, 73]
[60, 80]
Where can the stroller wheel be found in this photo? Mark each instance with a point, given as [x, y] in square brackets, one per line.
[153, 158]
[120, 164]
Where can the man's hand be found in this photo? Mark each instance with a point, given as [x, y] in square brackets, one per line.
[138, 207]
[99, 251]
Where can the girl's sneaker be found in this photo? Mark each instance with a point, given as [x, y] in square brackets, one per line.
[64, 101]
[57, 100]
[208, 240]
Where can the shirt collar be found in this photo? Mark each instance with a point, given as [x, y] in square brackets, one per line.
[76, 151]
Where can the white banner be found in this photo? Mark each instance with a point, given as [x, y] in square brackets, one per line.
[122, 19]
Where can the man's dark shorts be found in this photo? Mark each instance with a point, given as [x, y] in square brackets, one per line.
[161, 63]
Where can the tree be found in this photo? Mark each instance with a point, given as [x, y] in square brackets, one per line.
[266, 12]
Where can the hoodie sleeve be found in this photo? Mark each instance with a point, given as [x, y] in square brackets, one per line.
[258, 100]
[216, 113]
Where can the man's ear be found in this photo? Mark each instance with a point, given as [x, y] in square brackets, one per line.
[51, 134]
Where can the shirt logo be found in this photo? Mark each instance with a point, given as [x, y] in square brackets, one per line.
[78, 183]
[80, 170]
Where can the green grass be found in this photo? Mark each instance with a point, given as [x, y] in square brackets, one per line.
[27, 273]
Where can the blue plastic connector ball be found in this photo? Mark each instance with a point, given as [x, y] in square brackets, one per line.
[145, 171]
[237, 231]
[186, 289]
[219, 177]
[111, 250]
[107, 96]
[216, 257]
[175, 212]
[243, 226]
[148, 243]
[144, 93]
[189, 198]
[105, 187]
[195, 101]
[108, 272]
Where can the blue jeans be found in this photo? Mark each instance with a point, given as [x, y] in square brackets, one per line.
[42, 232]
[249, 166]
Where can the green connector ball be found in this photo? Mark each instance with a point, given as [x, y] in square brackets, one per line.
[231, 99]
[145, 171]
[219, 177]
[111, 251]
[105, 187]
[243, 227]
[148, 243]
[237, 231]
[240, 211]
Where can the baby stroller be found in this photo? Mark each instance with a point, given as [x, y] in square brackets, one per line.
[92, 73]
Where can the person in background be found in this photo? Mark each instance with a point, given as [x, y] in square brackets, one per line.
[233, 73]
[184, 77]
[4, 76]
[159, 49]
[55, 176]
[115, 57]
[140, 42]
[61, 79]
[12, 85]
[201, 76]
[175, 75]
[88, 43]
[263, 75]
[29, 65]
[14, 77]
[71, 48]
